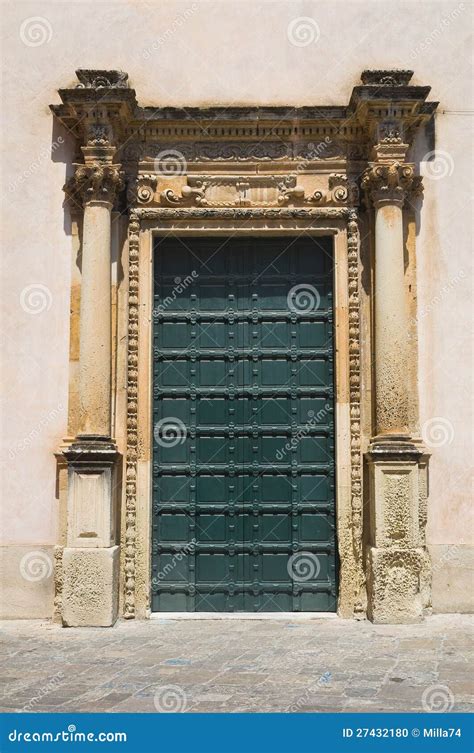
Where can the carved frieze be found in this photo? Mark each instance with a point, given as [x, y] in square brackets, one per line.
[235, 191]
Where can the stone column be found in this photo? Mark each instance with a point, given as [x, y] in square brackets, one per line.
[396, 557]
[91, 557]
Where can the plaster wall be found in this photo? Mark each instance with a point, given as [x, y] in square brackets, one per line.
[239, 52]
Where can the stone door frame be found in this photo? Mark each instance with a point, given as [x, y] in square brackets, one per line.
[342, 227]
[325, 169]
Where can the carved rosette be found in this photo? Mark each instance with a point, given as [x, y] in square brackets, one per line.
[94, 182]
[391, 183]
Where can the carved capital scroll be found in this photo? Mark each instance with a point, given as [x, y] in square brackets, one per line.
[391, 183]
[94, 182]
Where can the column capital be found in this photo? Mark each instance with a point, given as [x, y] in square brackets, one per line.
[391, 183]
[94, 182]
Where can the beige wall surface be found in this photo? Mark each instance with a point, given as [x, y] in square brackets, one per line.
[224, 52]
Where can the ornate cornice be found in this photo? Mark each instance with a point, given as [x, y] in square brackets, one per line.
[102, 108]
[391, 183]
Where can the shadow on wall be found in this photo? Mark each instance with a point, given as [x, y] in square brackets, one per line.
[63, 150]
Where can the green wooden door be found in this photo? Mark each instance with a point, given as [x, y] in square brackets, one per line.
[243, 451]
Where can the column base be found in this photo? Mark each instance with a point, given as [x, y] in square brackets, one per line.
[90, 586]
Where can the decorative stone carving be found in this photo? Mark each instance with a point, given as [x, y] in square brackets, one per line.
[94, 182]
[354, 400]
[58, 583]
[393, 77]
[97, 79]
[142, 189]
[341, 190]
[257, 213]
[391, 183]
[132, 419]
[98, 134]
[234, 191]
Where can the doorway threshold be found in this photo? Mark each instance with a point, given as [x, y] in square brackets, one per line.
[282, 616]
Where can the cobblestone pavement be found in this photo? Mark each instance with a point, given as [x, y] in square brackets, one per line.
[239, 665]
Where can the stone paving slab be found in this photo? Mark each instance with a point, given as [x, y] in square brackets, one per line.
[239, 666]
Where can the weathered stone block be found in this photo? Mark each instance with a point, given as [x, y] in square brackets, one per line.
[395, 496]
[393, 585]
[91, 518]
[90, 589]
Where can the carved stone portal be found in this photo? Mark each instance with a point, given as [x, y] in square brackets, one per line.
[267, 169]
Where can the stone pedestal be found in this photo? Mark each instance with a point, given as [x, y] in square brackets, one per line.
[91, 557]
[396, 557]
